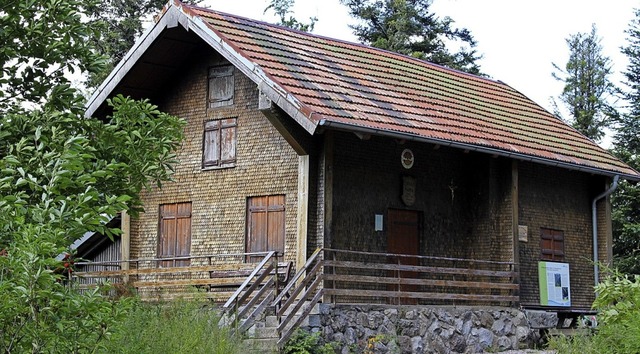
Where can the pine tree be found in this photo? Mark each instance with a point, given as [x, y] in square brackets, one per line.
[587, 85]
[408, 27]
[626, 200]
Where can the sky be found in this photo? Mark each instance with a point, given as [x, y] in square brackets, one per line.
[519, 40]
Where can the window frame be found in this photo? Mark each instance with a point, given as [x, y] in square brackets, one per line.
[212, 138]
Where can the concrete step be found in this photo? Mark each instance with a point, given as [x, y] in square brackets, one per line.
[261, 345]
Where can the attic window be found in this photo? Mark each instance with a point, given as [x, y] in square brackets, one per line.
[221, 86]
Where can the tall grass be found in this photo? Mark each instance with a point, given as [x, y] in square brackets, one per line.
[176, 327]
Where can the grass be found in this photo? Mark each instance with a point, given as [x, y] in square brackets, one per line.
[176, 327]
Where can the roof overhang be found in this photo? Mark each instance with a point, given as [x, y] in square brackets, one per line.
[174, 14]
[325, 124]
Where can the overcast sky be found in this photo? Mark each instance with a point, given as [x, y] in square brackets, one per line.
[518, 39]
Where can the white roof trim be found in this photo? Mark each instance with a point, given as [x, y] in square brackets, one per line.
[173, 15]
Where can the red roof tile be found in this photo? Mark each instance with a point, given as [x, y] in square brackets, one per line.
[357, 87]
[366, 87]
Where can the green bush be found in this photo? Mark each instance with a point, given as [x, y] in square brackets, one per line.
[618, 331]
[177, 327]
[303, 342]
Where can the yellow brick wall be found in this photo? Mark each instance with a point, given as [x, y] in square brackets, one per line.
[265, 165]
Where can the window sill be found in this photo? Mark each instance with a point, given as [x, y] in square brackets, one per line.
[221, 167]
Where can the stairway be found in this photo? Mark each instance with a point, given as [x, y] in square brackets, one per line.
[262, 336]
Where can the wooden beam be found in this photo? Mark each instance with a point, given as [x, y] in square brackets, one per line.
[299, 139]
[328, 188]
[125, 242]
[303, 211]
[515, 216]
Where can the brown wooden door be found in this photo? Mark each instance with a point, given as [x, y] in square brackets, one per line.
[265, 224]
[403, 237]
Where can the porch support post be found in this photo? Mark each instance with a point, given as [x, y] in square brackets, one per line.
[303, 210]
[514, 218]
[328, 188]
[125, 242]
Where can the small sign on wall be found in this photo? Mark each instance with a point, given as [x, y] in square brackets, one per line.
[523, 233]
[555, 288]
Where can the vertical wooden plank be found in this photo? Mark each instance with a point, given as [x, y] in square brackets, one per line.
[183, 232]
[211, 147]
[303, 211]
[328, 188]
[227, 144]
[515, 218]
[125, 242]
[275, 221]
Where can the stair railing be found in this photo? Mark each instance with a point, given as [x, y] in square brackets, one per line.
[266, 284]
[302, 287]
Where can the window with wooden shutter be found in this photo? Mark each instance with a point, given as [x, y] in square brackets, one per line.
[551, 245]
[219, 143]
[221, 86]
[174, 234]
[265, 224]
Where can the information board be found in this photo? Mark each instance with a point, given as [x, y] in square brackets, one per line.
[555, 289]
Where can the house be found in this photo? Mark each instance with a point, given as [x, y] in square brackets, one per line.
[458, 188]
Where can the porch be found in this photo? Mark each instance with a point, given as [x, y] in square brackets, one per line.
[245, 291]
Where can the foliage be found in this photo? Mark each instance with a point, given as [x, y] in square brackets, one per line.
[618, 305]
[407, 27]
[303, 342]
[62, 175]
[626, 200]
[282, 9]
[177, 327]
[42, 41]
[587, 85]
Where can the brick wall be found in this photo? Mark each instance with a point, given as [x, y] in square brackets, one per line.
[266, 165]
[561, 200]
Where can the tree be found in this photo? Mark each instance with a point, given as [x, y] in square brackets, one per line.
[282, 9]
[587, 85]
[62, 175]
[626, 200]
[407, 27]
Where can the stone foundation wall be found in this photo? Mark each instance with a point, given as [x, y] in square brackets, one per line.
[444, 329]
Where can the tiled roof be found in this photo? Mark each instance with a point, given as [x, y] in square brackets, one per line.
[329, 82]
[367, 87]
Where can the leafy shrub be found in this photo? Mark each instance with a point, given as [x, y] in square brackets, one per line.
[177, 327]
[618, 305]
[303, 342]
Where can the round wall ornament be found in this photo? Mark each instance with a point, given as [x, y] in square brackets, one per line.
[407, 158]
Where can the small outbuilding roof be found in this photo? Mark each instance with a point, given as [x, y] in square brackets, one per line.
[325, 83]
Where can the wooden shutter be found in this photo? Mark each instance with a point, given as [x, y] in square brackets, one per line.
[265, 224]
[551, 245]
[219, 145]
[175, 233]
[221, 86]
[211, 148]
[228, 140]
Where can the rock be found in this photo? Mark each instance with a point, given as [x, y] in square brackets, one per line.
[417, 345]
[498, 327]
[504, 343]
[485, 337]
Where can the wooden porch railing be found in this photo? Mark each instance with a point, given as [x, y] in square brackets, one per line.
[341, 276]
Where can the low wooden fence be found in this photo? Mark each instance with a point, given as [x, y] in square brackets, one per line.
[216, 277]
